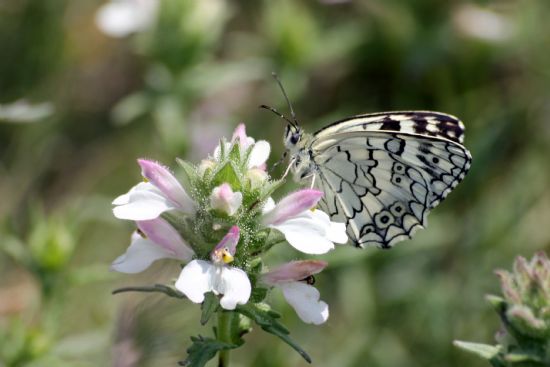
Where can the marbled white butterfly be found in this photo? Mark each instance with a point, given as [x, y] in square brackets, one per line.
[381, 173]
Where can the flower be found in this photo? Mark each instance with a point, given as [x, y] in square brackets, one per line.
[293, 279]
[155, 239]
[224, 199]
[120, 18]
[200, 276]
[308, 231]
[260, 149]
[148, 200]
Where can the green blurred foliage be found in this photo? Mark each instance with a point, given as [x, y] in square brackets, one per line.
[174, 89]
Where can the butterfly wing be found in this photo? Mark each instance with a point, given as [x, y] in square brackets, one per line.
[383, 182]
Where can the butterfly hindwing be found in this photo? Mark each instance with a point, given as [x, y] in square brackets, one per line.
[383, 183]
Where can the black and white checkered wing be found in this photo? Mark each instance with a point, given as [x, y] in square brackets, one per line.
[382, 173]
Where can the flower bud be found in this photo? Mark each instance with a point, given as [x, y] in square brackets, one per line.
[224, 199]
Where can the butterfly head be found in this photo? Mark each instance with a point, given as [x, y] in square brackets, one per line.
[293, 135]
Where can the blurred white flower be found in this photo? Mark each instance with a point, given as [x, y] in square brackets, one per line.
[21, 111]
[481, 23]
[120, 18]
[295, 280]
[200, 276]
[309, 231]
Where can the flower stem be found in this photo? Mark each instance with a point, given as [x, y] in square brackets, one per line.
[224, 335]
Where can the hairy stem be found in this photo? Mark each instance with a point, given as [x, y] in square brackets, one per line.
[224, 334]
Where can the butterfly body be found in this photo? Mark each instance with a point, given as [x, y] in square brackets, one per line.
[381, 173]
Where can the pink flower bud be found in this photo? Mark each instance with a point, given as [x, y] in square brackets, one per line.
[224, 199]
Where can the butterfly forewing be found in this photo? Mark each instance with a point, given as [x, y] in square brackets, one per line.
[382, 182]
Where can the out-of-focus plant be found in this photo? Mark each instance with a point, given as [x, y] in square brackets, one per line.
[221, 222]
[524, 309]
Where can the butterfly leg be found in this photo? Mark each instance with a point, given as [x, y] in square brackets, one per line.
[288, 169]
[313, 181]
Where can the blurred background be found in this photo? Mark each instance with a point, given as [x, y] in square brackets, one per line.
[88, 86]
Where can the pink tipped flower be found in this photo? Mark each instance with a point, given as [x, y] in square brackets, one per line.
[200, 276]
[148, 200]
[306, 229]
[293, 279]
[224, 199]
[260, 149]
[156, 239]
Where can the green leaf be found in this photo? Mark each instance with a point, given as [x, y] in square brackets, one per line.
[209, 307]
[235, 153]
[160, 288]
[483, 350]
[202, 350]
[227, 173]
[266, 318]
[189, 174]
[517, 357]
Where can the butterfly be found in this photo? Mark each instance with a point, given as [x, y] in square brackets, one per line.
[381, 173]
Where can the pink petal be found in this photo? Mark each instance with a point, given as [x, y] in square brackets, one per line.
[161, 177]
[163, 234]
[292, 205]
[294, 271]
[229, 241]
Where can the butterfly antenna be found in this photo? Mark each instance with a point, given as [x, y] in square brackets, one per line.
[269, 108]
[292, 113]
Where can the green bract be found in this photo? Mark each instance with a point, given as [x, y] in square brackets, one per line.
[525, 313]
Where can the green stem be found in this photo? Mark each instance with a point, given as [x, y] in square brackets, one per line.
[224, 335]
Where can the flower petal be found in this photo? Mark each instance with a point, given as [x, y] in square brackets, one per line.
[305, 235]
[235, 287]
[196, 279]
[259, 154]
[142, 202]
[139, 256]
[293, 205]
[163, 234]
[304, 298]
[163, 179]
[293, 271]
[336, 232]
[240, 136]
[229, 242]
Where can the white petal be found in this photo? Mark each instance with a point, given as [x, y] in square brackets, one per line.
[269, 205]
[234, 286]
[196, 279]
[259, 154]
[336, 232]
[143, 207]
[305, 235]
[304, 298]
[140, 254]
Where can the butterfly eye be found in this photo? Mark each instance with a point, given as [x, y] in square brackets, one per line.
[295, 138]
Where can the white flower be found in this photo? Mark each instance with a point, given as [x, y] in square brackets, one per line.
[200, 276]
[120, 18]
[148, 200]
[308, 231]
[155, 239]
[260, 149]
[295, 279]
[224, 199]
